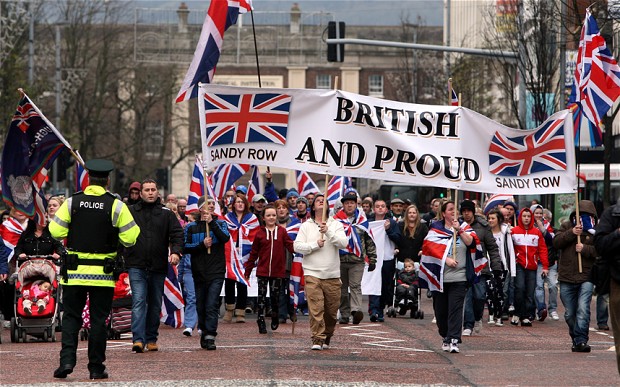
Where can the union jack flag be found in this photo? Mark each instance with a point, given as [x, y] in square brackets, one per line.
[495, 200]
[296, 283]
[234, 119]
[240, 244]
[437, 247]
[253, 184]
[225, 176]
[335, 189]
[81, 177]
[196, 187]
[454, 99]
[10, 231]
[221, 15]
[305, 184]
[597, 75]
[217, 210]
[172, 311]
[350, 229]
[586, 133]
[542, 150]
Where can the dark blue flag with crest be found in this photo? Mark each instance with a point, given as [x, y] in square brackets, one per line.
[32, 144]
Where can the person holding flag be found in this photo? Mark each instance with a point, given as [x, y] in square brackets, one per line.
[208, 261]
[94, 223]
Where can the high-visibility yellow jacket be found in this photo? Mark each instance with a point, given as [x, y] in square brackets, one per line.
[128, 231]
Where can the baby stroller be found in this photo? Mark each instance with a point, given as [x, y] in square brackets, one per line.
[120, 318]
[407, 299]
[41, 324]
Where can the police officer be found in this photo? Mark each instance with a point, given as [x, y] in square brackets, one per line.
[94, 222]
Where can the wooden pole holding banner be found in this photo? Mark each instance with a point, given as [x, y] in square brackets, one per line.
[205, 190]
[456, 194]
[325, 202]
[578, 221]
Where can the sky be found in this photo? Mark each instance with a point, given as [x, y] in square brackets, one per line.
[354, 12]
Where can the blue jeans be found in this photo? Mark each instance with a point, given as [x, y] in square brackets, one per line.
[552, 285]
[475, 298]
[525, 286]
[576, 299]
[147, 290]
[509, 291]
[208, 305]
[374, 305]
[602, 309]
[189, 293]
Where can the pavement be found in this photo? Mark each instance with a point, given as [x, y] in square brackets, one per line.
[400, 351]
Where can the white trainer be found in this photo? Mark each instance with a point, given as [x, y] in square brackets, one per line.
[187, 332]
[491, 320]
[454, 346]
[499, 323]
[317, 347]
[554, 315]
[466, 332]
[478, 326]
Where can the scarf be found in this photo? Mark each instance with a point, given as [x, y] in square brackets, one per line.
[588, 221]
[351, 229]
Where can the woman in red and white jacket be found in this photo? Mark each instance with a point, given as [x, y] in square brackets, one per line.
[530, 247]
[269, 248]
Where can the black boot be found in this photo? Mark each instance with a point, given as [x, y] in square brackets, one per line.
[262, 327]
[275, 323]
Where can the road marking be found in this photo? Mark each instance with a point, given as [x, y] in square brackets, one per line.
[363, 331]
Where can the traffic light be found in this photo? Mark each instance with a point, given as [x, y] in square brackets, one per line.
[335, 52]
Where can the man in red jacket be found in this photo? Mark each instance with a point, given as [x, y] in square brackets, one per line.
[530, 247]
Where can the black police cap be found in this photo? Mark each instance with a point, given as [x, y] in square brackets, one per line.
[99, 167]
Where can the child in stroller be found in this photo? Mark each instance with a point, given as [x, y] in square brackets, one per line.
[36, 284]
[120, 319]
[39, 292]
[407, 289]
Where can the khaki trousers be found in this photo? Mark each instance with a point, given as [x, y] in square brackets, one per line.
[323, 297]
[351, 275]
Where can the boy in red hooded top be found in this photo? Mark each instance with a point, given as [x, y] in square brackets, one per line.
[530, 247]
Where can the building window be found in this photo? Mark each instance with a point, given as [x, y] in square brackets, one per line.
[324, 81]
[154, 138]
[375, 85]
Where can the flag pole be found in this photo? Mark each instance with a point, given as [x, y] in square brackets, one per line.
[456, 194]
[449, 91]
[577, 217]
[325, 201]
[204, 194]
[255, 48]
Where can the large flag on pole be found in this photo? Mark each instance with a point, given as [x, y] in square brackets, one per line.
[221, 15]
[32, 144]
[597, 76]
[196, 187]
[172, 312]
[335, 189]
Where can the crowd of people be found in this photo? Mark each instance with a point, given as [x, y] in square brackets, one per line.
[528, 262]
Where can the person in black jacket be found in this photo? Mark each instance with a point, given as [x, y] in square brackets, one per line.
[147, 263]
[412, 232]
[607, 243]
[37, 240]
[208, 267]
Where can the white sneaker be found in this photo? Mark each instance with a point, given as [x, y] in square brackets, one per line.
[511, 309]
[199, 332]
[434, 320]
[466, 332]
[187, 332]
[445, 346]
[491, 320]
[554, 315]
[317, 347]
[499, 323]
[478, 326]
[515, 320]
[454, 346]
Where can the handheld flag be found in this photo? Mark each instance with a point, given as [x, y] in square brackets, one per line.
[196, 187]
[225, 177]
[81, 177]
[32, 144]
[335, 188]
[220, 16]
[253, 184]
[597, 75]
[172, 312]
[495, 200]
[305, 184]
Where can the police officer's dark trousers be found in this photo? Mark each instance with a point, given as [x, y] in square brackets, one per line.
[74, 299]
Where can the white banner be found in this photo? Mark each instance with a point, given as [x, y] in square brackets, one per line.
[371, 280]
[346, 134]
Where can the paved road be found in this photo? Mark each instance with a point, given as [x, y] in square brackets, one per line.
[399, 351]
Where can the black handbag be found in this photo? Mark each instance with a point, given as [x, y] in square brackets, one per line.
[600, 277]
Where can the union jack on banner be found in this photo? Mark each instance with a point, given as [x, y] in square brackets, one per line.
[196, 187]
[225, 176]
[597, 75]
[542, 150]
[495, 200]
[242, 118]
[81, 177]
[220, 16]
[305, 184]
[253, 184]
[172, 311]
